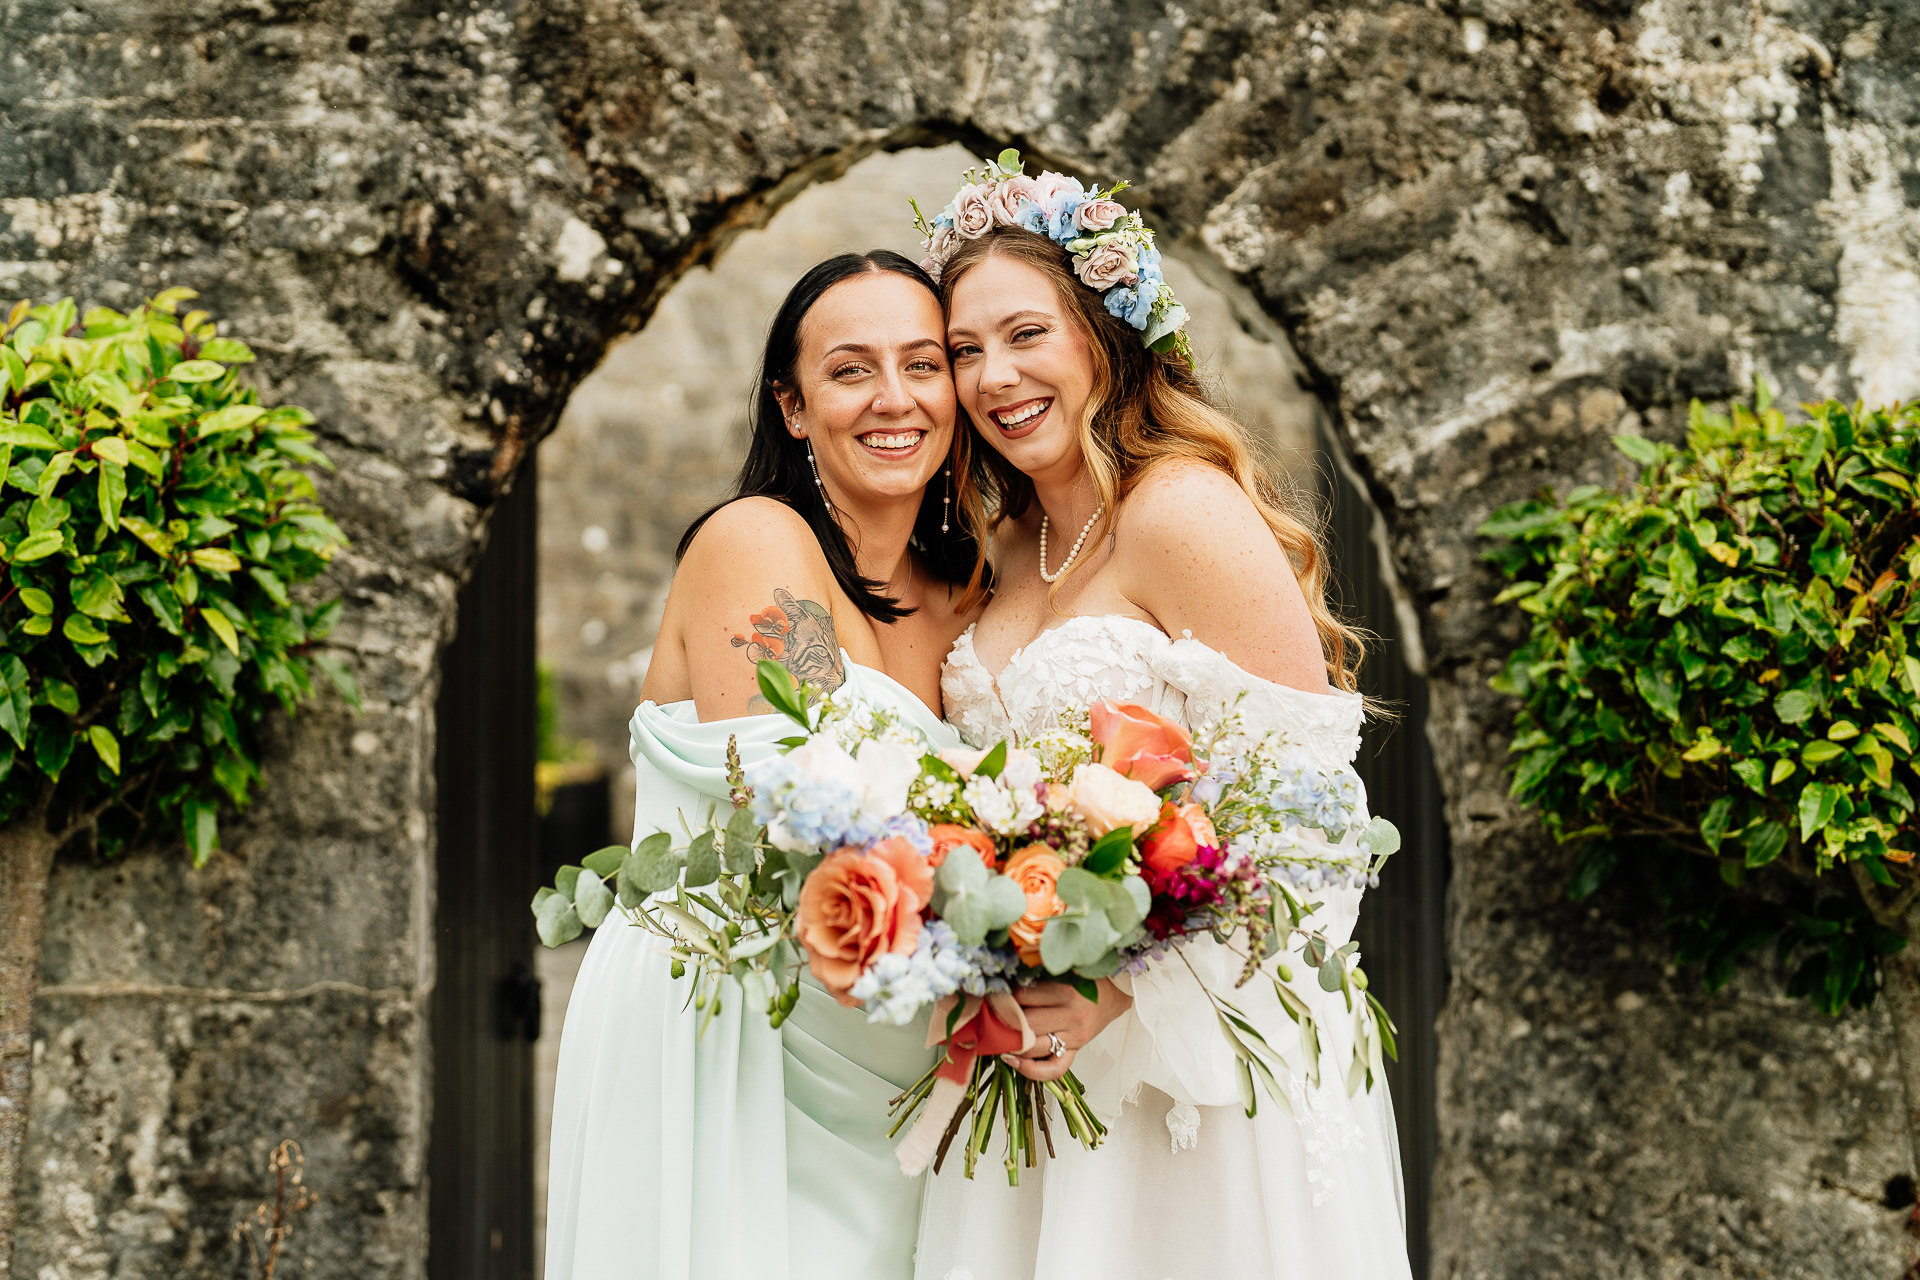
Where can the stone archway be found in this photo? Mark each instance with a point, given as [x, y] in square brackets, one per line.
[1496, 232]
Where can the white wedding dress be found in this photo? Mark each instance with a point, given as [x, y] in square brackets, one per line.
[1186, 1187]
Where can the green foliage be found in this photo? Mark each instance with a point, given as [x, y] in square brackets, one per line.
[1718, 692]
[153, 519]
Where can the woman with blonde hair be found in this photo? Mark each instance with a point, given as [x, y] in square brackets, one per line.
[1142, 556]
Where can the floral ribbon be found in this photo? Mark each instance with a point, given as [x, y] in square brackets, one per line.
[989, 1025]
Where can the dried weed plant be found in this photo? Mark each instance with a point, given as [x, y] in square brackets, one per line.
[291, 1195]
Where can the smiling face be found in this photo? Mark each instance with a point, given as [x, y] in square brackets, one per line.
[871, 390]
[1023, 368]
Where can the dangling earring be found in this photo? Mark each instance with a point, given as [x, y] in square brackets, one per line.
[946, 503]
[815, 468]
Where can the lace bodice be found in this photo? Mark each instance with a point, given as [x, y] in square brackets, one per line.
[1321, 1174]
[1128, 660]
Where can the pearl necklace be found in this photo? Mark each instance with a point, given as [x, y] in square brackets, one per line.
[1071, 555]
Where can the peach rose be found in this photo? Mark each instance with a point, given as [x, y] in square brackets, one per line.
[947, 836]
[857, 904]
[1098, 215]
[1180, 833]
[1137, 744]
[1106, 266]
[972, 213]
[1107, 800]
[1007, 196]
[1036, 869]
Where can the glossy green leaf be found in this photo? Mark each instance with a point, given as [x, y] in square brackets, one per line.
[195, 371]
[38, 546]
[105, 745]
[82, 630]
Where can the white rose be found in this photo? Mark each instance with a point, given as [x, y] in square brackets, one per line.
[887, 770]
[1108, 801]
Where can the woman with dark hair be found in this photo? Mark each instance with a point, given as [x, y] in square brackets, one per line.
[695, 1143]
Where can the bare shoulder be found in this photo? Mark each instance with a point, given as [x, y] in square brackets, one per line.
[758, 528]
[1192, 507]
[754, 586]
[1196, 553]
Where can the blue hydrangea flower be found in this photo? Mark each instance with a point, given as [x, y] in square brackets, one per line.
[896, 986]
[1061, 229]
[1032, 218]
[1134, 305]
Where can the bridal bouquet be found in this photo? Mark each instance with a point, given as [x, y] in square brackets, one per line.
[904, 879]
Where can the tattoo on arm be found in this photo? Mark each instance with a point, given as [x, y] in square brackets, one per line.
[797, 634]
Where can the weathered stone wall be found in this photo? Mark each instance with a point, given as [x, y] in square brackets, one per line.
[1496, 229]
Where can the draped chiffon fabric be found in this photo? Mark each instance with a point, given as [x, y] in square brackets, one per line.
[737, 1152]
[1186, 1187]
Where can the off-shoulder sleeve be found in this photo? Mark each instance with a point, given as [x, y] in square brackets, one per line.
[1325, 724]
[1170, 1038]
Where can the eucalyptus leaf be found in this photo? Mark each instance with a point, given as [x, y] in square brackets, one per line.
[703, 861]
[555, 918]
[653, 867]
[592, 900]
[606, 863]
[742, 841]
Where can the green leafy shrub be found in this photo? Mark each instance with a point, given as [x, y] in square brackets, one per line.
[153, 518]
[1718, 692]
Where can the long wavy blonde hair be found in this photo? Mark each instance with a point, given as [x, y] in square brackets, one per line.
[1146, 409]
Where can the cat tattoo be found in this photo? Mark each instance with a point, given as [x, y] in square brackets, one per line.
[799, 635]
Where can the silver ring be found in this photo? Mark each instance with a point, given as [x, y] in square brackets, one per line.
[1059, 1045]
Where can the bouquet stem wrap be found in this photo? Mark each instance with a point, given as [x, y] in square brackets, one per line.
[988, 1026]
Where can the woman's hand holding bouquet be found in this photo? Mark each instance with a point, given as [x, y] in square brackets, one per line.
[904, 879]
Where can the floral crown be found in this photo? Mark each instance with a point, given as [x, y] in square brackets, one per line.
[1112, 248]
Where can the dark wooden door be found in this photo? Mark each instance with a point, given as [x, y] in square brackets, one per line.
[1402, 923]
[486, 1003]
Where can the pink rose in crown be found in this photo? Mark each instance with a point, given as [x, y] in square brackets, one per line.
[1051, 189]
[972, 211]
[1007, 196]
[1098, 215]
[1106, 266]
[1137, 744]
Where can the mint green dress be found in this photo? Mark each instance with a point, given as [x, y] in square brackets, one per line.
[743, 1153]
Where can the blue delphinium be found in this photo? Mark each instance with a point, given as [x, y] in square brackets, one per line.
[1033, 218]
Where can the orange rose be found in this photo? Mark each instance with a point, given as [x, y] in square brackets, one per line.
[858, 904]
[1036, 869]
[1137, 744]
[948, 836]
[1172, 841]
